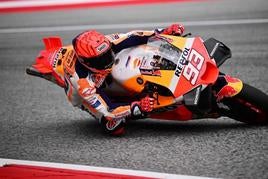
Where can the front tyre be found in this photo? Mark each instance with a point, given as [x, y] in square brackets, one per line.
[249, 106]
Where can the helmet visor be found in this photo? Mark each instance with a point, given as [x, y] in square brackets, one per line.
[102, 62]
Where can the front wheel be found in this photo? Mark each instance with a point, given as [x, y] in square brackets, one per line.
[249, 106]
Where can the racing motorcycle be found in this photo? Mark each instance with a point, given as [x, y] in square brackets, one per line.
[181, 73]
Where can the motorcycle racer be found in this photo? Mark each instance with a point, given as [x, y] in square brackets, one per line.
[88, 73]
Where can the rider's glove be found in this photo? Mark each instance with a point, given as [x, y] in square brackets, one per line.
[145, 105]
[174, 29]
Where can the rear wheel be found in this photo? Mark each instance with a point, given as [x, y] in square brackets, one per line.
[249, 106]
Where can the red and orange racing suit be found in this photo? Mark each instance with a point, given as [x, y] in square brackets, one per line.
[84, 88]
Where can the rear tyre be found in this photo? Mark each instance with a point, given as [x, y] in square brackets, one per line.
[249, 106]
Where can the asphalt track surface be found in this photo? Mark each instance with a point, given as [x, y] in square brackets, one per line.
[37, 123]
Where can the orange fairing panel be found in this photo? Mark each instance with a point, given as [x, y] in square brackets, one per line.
[133, 86]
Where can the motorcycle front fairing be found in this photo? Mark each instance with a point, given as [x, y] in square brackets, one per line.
[174, 64]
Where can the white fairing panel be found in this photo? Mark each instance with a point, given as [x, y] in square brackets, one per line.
[129, 61]
[128, 64]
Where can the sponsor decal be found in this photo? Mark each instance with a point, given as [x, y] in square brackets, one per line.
[92, 100]
[182, 62]
[150, 67]
[113, 36]
[54, 62]
[192, 70]
[59, 55]
[137, 63]
[102, 47]
[96, 104]
[89, 91]
[232, 88]
[69, 63]
[70, 57]
[151, 72]
[140, 81]
[128, 59]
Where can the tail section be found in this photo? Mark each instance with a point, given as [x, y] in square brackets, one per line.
[46, 62]
[52, 43]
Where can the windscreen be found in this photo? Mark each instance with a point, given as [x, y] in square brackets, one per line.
[167, 53]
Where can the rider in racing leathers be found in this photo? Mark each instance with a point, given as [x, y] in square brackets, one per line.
[85, 75]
